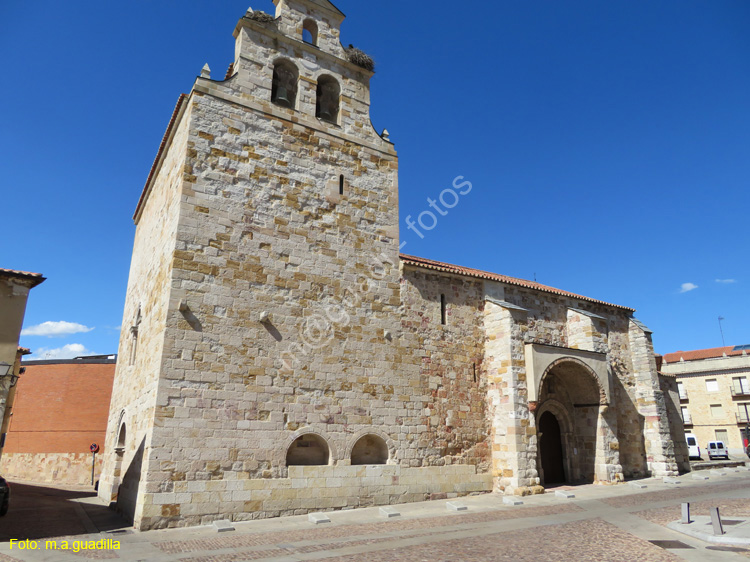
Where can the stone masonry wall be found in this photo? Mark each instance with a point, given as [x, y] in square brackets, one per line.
[452, 381]
[319, 488]
[57, 468]
[586, 332]
[652, 405]
[668, 385]
[262, 231]
[630, 422]
[149, 281]
[259, 235]
[513, 428]
[293, 13]
[547, 322]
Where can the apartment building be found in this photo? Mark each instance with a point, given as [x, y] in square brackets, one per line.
[714, 389]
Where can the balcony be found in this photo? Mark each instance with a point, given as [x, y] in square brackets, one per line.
[687, 419]
[743, 417]
[683, 394]
[740, 390]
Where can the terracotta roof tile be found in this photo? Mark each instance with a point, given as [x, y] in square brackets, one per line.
[698, 354]
[37, 277]
[460, 270]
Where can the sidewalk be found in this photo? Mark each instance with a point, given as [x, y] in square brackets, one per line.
[601, 523]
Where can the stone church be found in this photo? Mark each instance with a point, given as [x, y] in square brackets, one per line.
[279, 356]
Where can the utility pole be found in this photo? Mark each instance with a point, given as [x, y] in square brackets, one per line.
[722, 331]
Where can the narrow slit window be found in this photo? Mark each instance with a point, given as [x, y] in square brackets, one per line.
[442, 310]
[341, 184]
[134, 337]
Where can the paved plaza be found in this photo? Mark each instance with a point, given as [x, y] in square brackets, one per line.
[601, 523]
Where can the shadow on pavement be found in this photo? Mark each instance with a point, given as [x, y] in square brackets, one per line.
[40, 511]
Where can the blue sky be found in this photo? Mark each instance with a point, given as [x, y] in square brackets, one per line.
[607, 143]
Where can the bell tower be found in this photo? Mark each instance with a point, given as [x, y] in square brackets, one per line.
[295, 60]
[321, 16]
[266, 266]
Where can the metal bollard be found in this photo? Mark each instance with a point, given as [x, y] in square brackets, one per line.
[716, 522]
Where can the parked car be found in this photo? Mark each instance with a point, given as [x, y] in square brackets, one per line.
[4, 496]
[717, 449]
[694, 451]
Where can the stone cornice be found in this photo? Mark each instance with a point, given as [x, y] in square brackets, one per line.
[209, 87]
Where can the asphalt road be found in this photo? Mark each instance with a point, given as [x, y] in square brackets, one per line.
[39, 511]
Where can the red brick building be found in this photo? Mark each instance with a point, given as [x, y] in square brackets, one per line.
[60, 409]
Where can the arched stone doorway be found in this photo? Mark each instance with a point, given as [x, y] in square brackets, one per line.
[550, 449]
[577, 433]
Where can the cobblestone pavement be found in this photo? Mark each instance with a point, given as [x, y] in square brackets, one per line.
[602, 523]
[582, 541]
[727, 508]
[674, 493]
[343, 532]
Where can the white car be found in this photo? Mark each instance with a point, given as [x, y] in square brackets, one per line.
[717, 449]
[694, 451]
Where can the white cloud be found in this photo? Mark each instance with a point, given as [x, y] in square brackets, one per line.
[68, 351]
[687, 287]
[56, 329]
[726, 281]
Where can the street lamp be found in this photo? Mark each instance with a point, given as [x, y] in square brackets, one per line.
[7, 371]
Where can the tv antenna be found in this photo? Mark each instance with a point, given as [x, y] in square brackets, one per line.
[722, 331]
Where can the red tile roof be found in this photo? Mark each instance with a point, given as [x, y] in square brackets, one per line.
[460, 270]
[701, 354]
[180, 101]
[37, 277]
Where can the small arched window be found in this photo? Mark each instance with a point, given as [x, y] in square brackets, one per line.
[370, 449]
[327, 105]
[284, 88]
[308, 450]
[310, 32]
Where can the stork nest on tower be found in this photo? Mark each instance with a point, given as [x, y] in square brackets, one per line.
[260, 17]
[360, 58]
